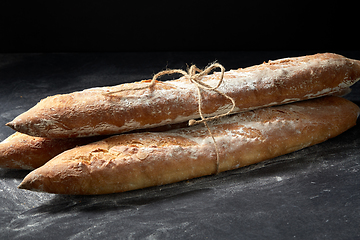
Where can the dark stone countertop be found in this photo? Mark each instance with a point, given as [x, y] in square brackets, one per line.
[309, 194]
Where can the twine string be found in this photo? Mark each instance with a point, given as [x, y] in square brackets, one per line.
[195, 75]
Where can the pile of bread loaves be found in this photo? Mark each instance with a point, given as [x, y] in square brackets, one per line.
[280, 106]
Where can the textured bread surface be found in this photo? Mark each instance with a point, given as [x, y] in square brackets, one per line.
[21, 151]
[133, 161]
[93, 112]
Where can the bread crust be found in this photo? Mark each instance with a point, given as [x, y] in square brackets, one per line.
[21, 151]
[93, 112]
[133, 161]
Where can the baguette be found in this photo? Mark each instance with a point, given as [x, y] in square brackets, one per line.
[21, 151]
[133, 161]
[94, 112]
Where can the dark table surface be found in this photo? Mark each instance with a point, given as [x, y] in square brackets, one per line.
[309, 194]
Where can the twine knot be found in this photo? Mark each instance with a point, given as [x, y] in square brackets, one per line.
[195, 75]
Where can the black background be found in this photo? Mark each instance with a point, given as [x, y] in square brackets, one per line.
[93, 26]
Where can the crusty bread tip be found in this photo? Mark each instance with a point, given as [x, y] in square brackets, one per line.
[21, 151]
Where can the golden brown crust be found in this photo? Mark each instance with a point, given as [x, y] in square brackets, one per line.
[21, 151]
[91, 112]
[132, 161]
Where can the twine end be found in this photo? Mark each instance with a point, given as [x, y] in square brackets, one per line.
[192, 122]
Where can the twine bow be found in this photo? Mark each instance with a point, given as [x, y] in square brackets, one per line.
[195, 75]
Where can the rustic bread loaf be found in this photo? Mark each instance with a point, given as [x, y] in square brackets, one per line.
[133, 161]
[93, 112]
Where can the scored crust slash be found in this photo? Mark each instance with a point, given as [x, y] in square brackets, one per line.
[278, 107]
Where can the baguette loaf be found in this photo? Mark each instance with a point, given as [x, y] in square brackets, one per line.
[21, 151]
[133, 161]
[93, 112]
